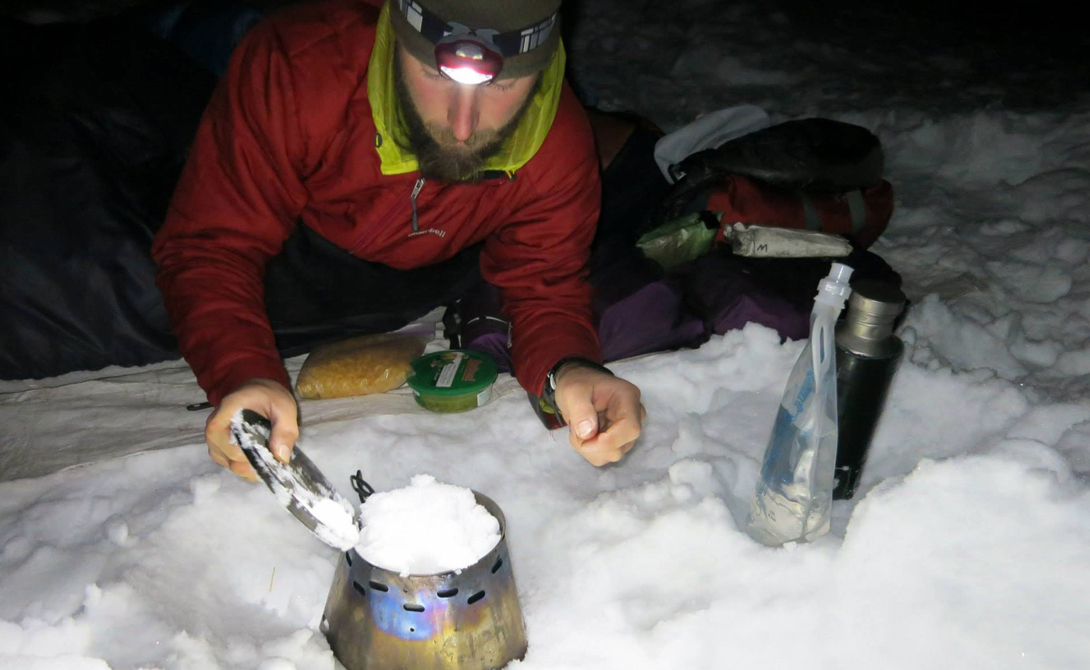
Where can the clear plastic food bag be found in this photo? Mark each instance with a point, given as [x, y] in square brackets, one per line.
[361, 365]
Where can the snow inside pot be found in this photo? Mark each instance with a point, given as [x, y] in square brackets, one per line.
[429, 587]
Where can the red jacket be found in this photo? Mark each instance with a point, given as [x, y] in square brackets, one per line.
[289, 136]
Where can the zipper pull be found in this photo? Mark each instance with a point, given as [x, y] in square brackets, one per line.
[416, 191]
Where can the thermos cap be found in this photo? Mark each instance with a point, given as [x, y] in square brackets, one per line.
[877, 299]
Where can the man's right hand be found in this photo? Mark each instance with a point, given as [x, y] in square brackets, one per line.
[266, 397]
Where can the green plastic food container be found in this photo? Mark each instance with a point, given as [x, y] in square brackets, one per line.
[452, 381]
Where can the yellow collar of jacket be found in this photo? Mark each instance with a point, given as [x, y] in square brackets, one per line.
[519, 148]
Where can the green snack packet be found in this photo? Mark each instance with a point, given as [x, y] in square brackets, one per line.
[681, 239]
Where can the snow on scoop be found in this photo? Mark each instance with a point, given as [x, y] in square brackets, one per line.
[300, 485]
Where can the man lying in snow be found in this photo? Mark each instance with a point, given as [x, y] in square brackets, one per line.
[404, 134]
[340, 184]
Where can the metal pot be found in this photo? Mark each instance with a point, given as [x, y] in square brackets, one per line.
[469, 619]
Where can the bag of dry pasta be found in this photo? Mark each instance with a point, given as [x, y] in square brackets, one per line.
[360, 366]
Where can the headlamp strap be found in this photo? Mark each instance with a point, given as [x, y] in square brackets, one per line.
[457, 30]
[508, 44]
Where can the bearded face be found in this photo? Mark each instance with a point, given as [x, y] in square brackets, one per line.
[453, 129]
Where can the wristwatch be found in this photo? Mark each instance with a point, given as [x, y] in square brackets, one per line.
[548, 393]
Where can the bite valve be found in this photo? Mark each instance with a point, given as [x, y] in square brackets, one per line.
[834, 289]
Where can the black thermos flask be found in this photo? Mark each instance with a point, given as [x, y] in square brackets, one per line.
[867, 354]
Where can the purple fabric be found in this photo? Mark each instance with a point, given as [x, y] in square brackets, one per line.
[638, 311]
[730, 295]
[653, 318]
[631, 319]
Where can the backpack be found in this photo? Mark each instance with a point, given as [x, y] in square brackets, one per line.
[811, 174]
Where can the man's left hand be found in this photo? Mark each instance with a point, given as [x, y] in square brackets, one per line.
[603, 412]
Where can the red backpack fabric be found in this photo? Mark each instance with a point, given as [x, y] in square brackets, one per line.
[861, 215]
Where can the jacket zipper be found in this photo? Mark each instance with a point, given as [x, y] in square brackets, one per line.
[416, 191]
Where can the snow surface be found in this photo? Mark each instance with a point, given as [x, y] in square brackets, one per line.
[425, 528]
[967, 545]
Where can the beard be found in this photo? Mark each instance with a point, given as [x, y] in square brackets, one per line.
[438, 153]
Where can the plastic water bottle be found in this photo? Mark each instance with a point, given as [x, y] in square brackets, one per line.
[795, 489]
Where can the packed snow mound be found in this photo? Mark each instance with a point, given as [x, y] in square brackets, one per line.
[425, 528]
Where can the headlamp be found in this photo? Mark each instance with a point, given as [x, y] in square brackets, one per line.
[468, 58]
[472, 55]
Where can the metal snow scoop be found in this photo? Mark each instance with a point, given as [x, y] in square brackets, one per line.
[300, 485]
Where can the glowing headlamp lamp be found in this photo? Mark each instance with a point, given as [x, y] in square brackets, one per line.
[468, 59]
[472, 55]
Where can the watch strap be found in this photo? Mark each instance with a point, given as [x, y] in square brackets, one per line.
[548, 392]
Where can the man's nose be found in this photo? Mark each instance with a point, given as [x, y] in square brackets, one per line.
[462, 113]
